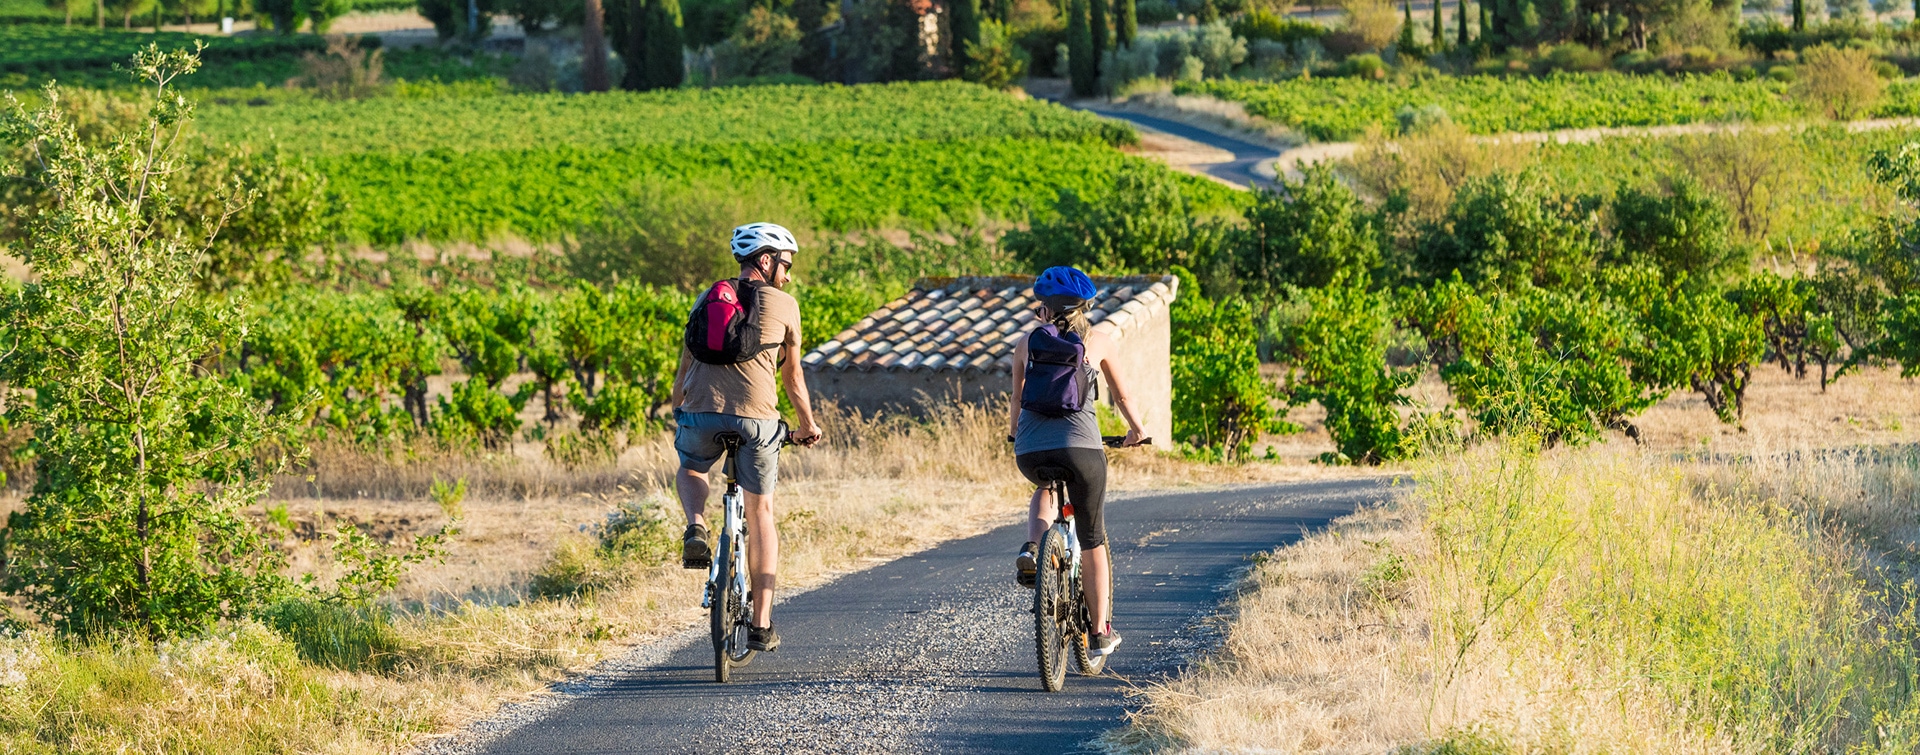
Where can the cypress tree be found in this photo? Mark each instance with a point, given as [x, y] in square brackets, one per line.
[966, 29]
[1800, 14]
[1461, 15]
[1098, 20]
[1128, 23]
[665, 63]
[1080, 65]
[1407, 44]
[1486, 25]
[1440, 28]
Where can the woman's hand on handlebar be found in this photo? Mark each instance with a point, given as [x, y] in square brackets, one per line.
[1134, 438]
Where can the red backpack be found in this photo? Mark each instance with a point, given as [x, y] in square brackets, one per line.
[723, 328]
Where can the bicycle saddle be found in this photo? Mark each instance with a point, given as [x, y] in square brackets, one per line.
[730, 440]
[1053, 474]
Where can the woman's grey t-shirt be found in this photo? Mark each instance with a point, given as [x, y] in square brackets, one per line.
[1039, 432]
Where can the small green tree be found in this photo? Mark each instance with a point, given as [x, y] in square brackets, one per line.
[1306, 235]
[995, 61]
[1686, 231]
[144, 456]
[1336, 354]
[1507, 230]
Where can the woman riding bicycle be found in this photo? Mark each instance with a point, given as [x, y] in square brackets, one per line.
[1069, 439]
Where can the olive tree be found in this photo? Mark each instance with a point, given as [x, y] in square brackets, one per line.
[145, 455]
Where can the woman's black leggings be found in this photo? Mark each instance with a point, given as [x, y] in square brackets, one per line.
[1086, 487]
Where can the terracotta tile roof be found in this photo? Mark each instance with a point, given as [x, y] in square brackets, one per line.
[961, 324]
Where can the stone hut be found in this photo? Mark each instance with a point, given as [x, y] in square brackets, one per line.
[952, 339]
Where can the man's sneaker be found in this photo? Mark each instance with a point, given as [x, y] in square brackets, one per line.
[763, 639]
[1026, 564]
[695, 553]
[1103, 644]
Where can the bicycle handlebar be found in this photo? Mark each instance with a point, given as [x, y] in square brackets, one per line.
[1115, 441]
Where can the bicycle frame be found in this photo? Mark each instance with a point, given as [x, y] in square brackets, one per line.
[733, 529]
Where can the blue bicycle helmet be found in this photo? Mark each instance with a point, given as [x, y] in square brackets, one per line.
[1063, 281]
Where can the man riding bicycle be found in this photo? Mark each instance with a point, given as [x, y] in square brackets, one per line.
[728, 388]
[1063, 432]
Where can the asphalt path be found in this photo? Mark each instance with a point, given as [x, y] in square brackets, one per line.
[1246, 155]
[934, 652]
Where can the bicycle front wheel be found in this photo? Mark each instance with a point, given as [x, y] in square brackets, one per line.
[1052, 610]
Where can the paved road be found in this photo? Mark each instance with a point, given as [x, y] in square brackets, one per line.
[1246, 154]
[934, 652]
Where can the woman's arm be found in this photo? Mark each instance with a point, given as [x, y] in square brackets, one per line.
[1019, 381]
[1117, 386]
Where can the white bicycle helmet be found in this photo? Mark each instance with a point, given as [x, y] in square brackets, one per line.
[754, 238]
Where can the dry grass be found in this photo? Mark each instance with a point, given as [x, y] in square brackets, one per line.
[1594, 600]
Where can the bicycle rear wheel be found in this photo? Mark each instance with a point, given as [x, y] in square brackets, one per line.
[1089, 664]
[738, 651]
[1052, 611]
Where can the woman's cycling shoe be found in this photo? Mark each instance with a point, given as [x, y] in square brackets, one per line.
[763, 639]
[1103, 644]
[695, 553]
[1026, 564]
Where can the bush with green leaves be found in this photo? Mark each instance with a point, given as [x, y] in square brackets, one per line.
[1335, 346]
[1550, 364]
[1146, 222]
[143, 458]
[1688, 337]
[1510, 230]
[1309, 234]
[1684, 231]
[1221, 404]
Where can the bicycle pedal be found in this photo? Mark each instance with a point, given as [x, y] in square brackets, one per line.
[696, 563]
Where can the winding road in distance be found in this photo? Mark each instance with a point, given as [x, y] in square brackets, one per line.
[934, 652]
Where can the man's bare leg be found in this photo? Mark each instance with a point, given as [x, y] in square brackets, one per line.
[763, 555]
[693, 489]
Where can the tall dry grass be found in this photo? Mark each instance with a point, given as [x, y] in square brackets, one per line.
[1598, 600]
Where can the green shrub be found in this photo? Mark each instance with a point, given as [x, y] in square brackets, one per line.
[1685, 232]
[1146, 222]
[1507, 231]
[1305, 235]
[1260, 23]
[1221, 404]
[1546, 365]
[1336, 354]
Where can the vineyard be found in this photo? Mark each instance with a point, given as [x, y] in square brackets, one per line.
[44, 48]
[1342, 108]
[538, 166]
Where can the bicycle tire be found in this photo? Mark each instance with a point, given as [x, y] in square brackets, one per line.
[1087, 663]
[720, 614]
[1051, 618]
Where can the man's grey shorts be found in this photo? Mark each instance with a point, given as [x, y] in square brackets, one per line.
[759, 461]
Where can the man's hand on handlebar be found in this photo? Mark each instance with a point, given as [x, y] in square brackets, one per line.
[807, 435]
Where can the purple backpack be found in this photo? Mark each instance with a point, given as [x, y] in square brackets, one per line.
[1058, 381]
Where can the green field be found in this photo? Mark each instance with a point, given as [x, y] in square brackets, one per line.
[1343, 108]
[537, 166]
[36, 48]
